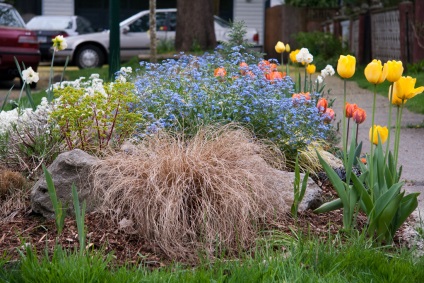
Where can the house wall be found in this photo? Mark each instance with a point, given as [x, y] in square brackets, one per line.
[252, 12]
[58, 7]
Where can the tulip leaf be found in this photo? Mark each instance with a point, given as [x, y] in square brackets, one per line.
[385, 198]
[362, 192]
[329, 206]
[408, 204]
[387, 215]
[357, 153]
[338, 184]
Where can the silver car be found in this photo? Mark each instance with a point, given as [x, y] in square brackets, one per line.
[91, 50]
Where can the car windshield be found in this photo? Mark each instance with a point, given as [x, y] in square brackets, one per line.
[221, 22]
[50, 23]
[9, 17]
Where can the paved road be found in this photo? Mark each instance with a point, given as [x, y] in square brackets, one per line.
[411, 149]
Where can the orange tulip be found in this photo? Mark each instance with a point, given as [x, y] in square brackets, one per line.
[304, 95]
[220, 72]
[359, 116]
[328, 115]
[275, 76]
[322, 105]
[243, 68]
[350, 109]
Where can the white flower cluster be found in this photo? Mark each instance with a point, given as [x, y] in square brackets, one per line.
[304, 56]
[327, 71]
[123, 74]
[91, 86]
[25, 118]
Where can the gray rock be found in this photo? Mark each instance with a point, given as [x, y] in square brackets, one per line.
[72, 167]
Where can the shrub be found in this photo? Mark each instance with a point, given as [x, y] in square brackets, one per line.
[92, 115]
[325, 47]
[204, 194]
[182, 95]
[27, 139]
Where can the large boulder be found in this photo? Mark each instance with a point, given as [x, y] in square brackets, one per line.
[72, 167]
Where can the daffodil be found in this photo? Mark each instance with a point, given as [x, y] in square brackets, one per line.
[346, 66]
[59, 43]
[375, 72]
[30, 76]
[293, 54]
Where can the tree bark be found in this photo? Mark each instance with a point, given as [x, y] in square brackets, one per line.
[195, 25]
[152, 31]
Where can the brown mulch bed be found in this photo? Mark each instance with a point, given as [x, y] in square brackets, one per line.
[27, 227]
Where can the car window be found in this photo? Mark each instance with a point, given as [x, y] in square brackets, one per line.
[142, 24]
[50, 23]
[83, 26]
[221, 22]
[9, 17]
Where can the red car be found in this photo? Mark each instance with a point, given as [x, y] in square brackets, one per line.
[16, 41]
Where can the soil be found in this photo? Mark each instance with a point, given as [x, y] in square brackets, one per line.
[26, 227]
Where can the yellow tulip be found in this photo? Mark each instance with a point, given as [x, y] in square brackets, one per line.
[311, 69]
[287, 48]
[405, 88]
[280, 47]
[383, 132]
[293, 55]
[395, 70]
[375, 72]
[346, 66]
[395, 98]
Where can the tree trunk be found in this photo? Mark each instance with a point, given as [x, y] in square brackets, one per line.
[195, 25]
[152, 31]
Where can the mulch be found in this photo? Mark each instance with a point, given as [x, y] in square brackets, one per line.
[29, 228]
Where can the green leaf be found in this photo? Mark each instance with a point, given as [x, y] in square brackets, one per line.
[304, 185]
[386, 198]
[329, 206]
[363, 193]
[338, 184]
[408, 204]
[385, 218]
[28, 94]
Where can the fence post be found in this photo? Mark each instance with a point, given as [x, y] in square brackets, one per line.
[418, 32]
[406, 19]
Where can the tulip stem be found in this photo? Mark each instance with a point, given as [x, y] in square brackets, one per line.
[282, 61]
[397, 138]
[347, 132]
[371, 166]
[305, 82]
[389, 123]
[356, 138]
[344, 124]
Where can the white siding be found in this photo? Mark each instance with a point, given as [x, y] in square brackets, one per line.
[58, 7]
[252, 12]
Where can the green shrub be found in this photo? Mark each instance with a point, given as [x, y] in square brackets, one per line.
[325, 48]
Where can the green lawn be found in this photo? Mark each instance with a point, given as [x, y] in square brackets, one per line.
[415, 104]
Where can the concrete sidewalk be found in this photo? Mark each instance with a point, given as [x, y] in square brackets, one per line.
[411, 148]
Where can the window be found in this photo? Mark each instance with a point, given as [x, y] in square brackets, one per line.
[9, 17]
[142, 24]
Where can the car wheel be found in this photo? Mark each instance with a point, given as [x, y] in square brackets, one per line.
[89, 56]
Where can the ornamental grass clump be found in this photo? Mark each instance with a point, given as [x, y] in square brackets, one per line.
[202, 195]
[184, 94]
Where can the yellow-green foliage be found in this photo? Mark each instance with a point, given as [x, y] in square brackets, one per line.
[94, 118]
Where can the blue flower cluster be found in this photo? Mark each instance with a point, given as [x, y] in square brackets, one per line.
[182, 94]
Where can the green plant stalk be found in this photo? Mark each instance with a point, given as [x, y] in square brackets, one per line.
[344, 124]
[20, 94]
[397, 142]
[282, 61]
[80, 218]
[299, 192]
[389, 122]
[287, 67]
[57, 204]
[305, 81]
[371, 165]
[49, 88]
